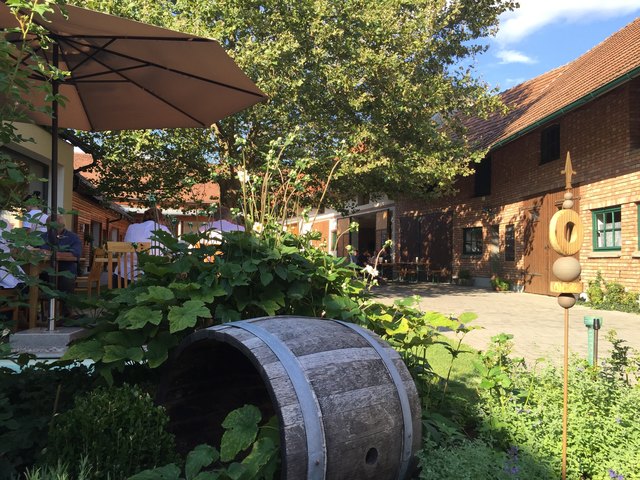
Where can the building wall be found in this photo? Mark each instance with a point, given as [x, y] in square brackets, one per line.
[603, 138]
[40, 150]
[90, 210]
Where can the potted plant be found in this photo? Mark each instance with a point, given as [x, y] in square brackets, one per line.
[500, 284]
[465, 278]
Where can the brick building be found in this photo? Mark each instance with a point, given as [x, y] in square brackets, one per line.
[187, 218]
[497, 223]
[97, 220]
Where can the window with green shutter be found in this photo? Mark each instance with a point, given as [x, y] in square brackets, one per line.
[607, 226]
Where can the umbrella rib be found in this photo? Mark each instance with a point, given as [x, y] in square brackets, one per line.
[83, 78]
[96, 50]
[84, 105]
[97, 60]
[133, 82]
[173, 70]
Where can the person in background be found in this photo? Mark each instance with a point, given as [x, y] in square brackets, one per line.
[9, 270]
[152, 221]
[35, 219]
[68, 248]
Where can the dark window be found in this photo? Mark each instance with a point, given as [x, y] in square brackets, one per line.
[509, 243]
[96, 234]
[482, 178]
[606, 229]
[550, 144]
[362, 199]
[472, 241]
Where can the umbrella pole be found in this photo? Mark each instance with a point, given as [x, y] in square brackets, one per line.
[54, 171]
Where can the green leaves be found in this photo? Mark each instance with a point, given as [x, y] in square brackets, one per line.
[204, 462]
[241, 428]
[156, 294]
[186, 316]
[138, 317]
[198, 458]
[338, 74]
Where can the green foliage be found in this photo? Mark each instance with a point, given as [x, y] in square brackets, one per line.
[15, 87]
[251, 276]
[611, 296]
[411, 332]
[595, 290]
[476, 459]
[624, 362]
[377, 84]
[119, 431]
[242, 431]
[59, 472]
[500, 284]
[520, 421]
[602, 417]
[497, 367]
[30, 394]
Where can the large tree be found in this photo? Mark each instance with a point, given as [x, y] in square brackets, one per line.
[383, 86]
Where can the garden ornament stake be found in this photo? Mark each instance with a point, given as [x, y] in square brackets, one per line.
[565, 236]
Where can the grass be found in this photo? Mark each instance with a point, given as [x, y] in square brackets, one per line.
[464, 378]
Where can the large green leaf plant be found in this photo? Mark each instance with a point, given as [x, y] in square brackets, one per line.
[247, 275]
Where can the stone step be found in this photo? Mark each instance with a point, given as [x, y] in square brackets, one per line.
[44, 343]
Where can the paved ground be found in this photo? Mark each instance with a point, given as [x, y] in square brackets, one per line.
[536, 321]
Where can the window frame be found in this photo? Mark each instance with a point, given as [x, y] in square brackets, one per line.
[467, 245]
[550, 144]
[594, 219]
[482, 177]
[510, 243]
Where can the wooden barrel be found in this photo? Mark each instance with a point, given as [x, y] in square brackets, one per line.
[347, 406]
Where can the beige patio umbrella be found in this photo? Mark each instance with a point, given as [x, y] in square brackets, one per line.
[127, 75]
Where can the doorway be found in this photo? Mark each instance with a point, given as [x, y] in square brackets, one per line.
[538, 256]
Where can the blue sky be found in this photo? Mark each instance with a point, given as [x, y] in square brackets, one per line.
[544, 34]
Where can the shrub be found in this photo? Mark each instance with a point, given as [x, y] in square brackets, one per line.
[611, 296]
[595, 290]
[252, 276]
[120, 431]
[248, 451]
[500, 284]
[602, 416]
[29, 395]
[474, 460]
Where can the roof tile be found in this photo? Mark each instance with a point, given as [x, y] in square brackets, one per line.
[540, 97]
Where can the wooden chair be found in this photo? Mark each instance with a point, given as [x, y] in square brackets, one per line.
[123, 254]
[86, 283]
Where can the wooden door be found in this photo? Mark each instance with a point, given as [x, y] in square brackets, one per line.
[436, 233]
[538, 255]
[343, 236]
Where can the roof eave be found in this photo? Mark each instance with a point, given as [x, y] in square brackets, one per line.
[607, 87]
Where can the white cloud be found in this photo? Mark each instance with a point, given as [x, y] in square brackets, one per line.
[510, 82]
[535, 14]
[513, 56]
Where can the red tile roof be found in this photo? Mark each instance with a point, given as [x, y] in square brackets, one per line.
[535, 100]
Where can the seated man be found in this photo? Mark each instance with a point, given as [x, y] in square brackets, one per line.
[68, 248]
